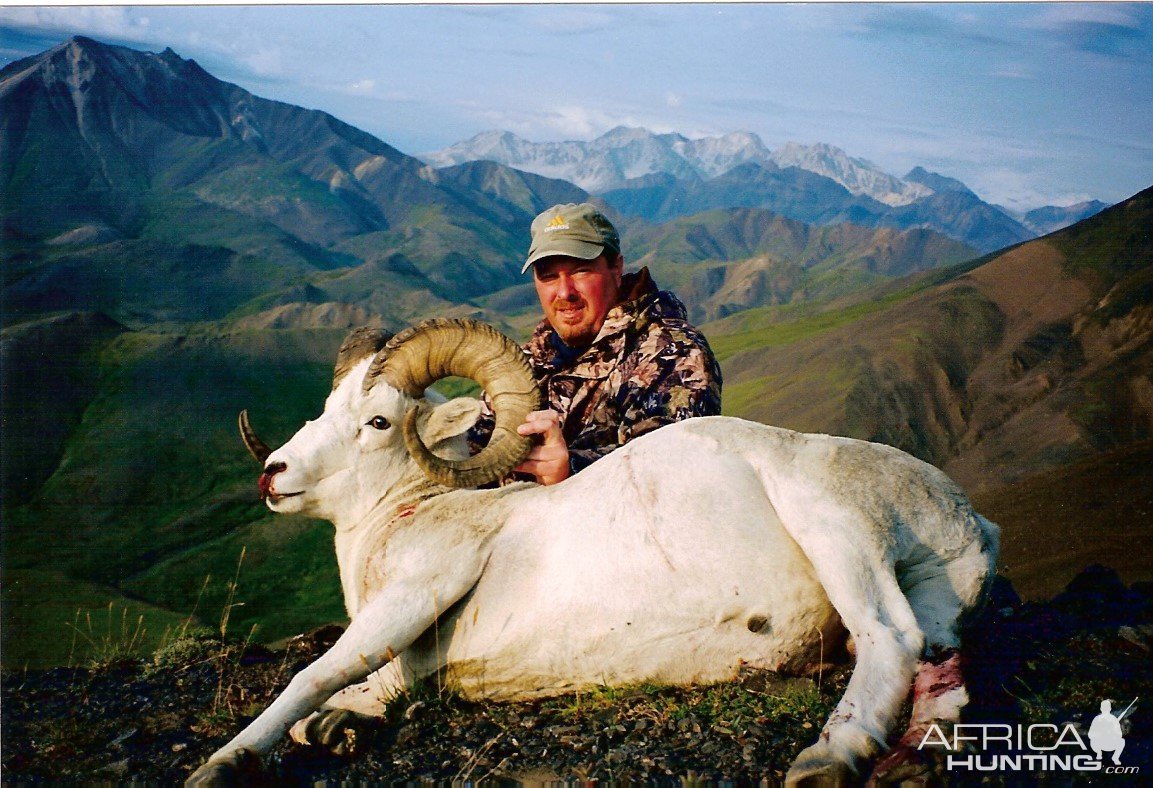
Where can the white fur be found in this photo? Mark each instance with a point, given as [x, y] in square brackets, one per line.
[653, 564]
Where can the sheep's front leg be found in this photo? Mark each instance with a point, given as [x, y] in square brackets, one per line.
[349, 717]
[382, 629]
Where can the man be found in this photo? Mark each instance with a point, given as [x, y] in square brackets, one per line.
[615, 357]
[1105, 732]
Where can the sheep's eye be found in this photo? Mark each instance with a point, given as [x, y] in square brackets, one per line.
[379, 423]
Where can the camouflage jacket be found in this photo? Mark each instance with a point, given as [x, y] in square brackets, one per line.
[647, 367]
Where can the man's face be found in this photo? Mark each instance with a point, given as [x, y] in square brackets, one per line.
[577, 294]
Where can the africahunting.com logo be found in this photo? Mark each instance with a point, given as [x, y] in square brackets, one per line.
[1036, 748]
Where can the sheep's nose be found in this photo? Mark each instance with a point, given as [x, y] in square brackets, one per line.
[265, 483]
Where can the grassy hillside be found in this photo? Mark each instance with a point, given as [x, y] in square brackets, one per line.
[726, 261]
[1024, 375]
[52, 619]
[1098, 510]
[153, 490]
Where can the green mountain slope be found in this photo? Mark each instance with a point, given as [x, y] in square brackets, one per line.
[1003, 372]
[153, 475]
[1034, 358]
[101, 142]
[730, 260]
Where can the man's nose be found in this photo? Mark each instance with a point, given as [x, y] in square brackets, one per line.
[565, 288]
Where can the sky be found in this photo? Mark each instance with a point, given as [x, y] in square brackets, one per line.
[1028, 103]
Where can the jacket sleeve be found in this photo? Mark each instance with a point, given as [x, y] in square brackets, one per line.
[478, 435]
[670, 380]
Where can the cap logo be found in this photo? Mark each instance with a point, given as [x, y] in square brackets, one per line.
[557, 223]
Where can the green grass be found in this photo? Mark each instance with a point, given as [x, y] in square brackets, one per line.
[773, 326]
[51, 619]
[759, 328]
[154, 478]
[759, 396]
[288, 582]
[452, 387]
[731, 705]
[1110, 245]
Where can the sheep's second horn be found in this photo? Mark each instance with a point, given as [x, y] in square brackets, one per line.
[256, 447]
[418, 357]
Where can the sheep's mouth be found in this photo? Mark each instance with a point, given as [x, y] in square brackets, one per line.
[278, 497]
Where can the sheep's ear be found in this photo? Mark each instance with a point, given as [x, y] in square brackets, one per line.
[452, 418]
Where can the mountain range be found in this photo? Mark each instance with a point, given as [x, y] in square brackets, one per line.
[623, 154]
[665, 176]
[126, 171]
[176, 249]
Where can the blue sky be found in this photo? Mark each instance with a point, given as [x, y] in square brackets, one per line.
[1027, 103]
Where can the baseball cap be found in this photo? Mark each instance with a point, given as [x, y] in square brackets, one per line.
[571, 230]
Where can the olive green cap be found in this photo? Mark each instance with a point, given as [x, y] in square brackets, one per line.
[572, 230]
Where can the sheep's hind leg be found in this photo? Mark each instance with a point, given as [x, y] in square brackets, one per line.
[939, 595]
[888, 642]
[938, 696]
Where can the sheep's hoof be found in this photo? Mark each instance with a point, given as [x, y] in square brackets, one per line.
[905, 765]
[236, 768]
[816, 766]
[338, 731]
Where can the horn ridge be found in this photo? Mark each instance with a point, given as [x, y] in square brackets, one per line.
[360, 342]
[256, 447]
[419, 356]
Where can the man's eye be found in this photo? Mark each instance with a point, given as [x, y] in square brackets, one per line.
[379, 423]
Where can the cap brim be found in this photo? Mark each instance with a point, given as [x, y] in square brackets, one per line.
[564, 247]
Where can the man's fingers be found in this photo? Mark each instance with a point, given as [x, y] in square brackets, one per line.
[546, 452]
[542, 422]
[547, 461]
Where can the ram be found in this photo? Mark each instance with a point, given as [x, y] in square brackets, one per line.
[695, 549]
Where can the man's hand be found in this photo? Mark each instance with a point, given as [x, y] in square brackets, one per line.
[548, 460]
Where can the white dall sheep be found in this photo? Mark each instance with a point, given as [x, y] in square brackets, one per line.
[701, 546]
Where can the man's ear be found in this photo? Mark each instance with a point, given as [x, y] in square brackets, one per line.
[617, 266]
[453, 418]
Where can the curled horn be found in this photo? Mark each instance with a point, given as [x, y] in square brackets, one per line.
[416, 358]
[256, 447]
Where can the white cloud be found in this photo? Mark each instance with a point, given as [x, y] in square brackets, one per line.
[673, 100]
[264, 62]
[120, 23]
[575, 21]
[567, 122]
[1055, 16]
[1021, 191]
